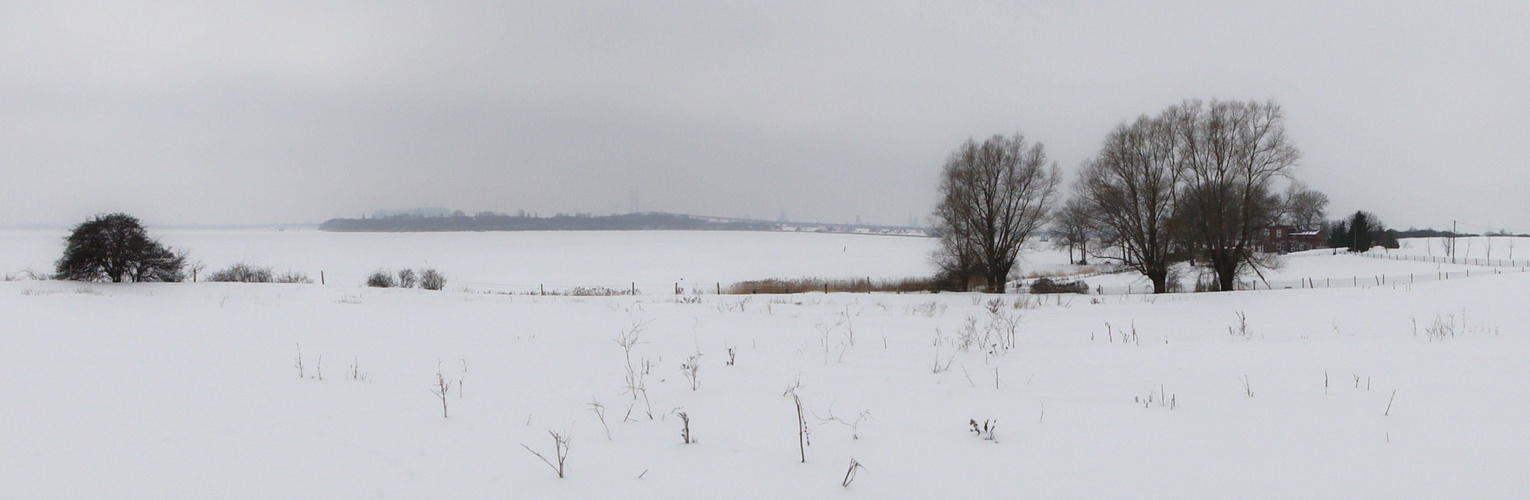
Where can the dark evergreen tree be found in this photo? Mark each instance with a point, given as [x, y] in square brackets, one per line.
[1361, 225]
[1338, 235]
[116, 247]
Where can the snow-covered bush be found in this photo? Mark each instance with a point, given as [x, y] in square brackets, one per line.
[407, 278]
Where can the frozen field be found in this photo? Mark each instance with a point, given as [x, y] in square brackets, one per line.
[192, 390]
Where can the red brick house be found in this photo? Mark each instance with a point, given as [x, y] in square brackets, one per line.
[1286, 239]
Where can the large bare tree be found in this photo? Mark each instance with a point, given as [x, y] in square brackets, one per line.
[1131, 190]
[1230, 155]
[993, 196]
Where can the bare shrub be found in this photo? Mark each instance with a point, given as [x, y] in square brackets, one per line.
[1047, 285]
[381, 279]
[430, 279]
[26, 274]
[294, 277]
[407, 278]
[242, 273]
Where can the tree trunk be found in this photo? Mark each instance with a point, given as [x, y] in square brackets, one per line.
[1227, 273]
[1160, 281]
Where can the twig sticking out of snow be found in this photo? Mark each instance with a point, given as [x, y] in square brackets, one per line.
[442, 389]
[985, 430]
[850, 474]
[560, 444]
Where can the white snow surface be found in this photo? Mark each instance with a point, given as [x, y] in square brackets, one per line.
[191, 390]
[1495, 248]
[524, 261]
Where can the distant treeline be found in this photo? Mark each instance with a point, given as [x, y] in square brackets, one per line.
[489, 221]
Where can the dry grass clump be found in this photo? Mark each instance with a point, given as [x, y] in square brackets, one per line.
[826, 285]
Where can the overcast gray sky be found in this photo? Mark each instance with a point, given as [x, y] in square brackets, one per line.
[277, 111]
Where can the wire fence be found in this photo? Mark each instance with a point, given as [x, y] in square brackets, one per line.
[1328, 282]
[1465, 261]
[1356, 281]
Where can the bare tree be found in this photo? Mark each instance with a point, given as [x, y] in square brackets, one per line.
[1305, 208]
[1131, 190]
[993, 196]
[1072, 227]
[956, 259]
[1231, 153]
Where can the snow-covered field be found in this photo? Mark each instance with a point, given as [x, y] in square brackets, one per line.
[1475, 247]
[192, 390]
[524, 261]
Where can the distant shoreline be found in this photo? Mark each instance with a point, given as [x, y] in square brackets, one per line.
[647, 221]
